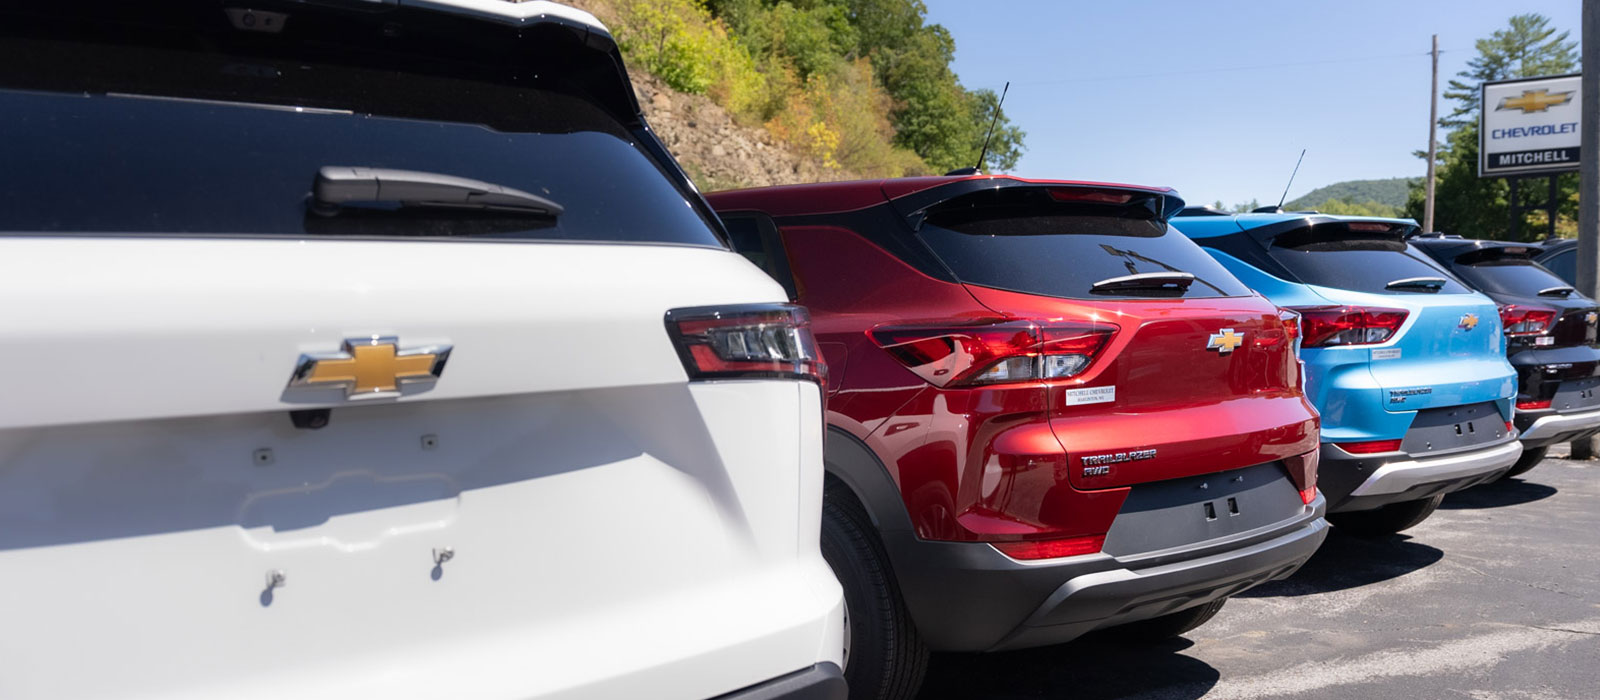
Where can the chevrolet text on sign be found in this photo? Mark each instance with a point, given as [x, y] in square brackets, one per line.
[1529, 125]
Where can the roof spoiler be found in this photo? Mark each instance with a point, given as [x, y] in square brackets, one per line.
[1399, 229]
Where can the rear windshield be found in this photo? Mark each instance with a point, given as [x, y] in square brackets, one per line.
[1022, 239]
[1510, 276]
[1363, 264]
[194, 142]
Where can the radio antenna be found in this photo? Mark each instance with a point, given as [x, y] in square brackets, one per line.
[992, 122]
[1291, 179]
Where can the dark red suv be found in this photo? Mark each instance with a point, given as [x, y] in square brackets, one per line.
[1048, 413]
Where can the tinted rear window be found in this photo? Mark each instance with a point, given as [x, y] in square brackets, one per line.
[1514, 277]
[1565, 266]
[196, 142]
[1021, 239]
[1358, 263]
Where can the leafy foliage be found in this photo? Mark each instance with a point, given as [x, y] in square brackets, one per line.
[863, 85]
[1477, 207]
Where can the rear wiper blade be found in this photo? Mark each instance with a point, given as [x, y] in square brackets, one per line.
[1432, 284]
[1163, 281]
[1562, 291]
[339, 185]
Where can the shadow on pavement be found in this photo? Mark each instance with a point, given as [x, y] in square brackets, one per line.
[1346, 562]
[1496, 494]
[1092, 668]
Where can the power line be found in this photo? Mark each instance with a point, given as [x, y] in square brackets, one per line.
[1198, 71]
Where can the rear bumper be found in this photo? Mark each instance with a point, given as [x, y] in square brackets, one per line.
[824, 681]
[1363, 482]
[1543, 429]
[970, 597]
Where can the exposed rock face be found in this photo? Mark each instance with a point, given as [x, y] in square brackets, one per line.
[718, 153]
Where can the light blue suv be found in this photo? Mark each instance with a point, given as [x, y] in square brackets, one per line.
[1405, 363]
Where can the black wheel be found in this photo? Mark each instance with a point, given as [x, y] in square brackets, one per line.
[884, 657]
[1387, 520]
[1530, 459]
[1170, 625]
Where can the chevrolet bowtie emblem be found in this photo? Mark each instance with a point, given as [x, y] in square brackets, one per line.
[1224, 341]
[1591, 317]
[1469, 321]
[1534, 101]
[373, 366]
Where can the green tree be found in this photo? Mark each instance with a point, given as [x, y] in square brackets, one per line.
[1475, 207]
[1528, 47]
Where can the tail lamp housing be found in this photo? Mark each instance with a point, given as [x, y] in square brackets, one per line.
[746, 341]
[1337, 326]
[1522, 321]
[1004, 352]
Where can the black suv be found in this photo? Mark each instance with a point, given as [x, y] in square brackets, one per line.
[1550, 338]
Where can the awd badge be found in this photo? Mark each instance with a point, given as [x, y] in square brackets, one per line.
[1224, 341]
[371, 367]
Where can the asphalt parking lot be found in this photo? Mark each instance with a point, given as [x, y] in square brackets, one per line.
[1495, 597]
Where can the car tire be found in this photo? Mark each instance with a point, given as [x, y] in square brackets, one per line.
[1387, 520]
[1170, 625]
[886, 657]
[1528, 460]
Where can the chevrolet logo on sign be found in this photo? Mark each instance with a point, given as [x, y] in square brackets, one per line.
[1534, 101]
[369, 367]
[1224, 341]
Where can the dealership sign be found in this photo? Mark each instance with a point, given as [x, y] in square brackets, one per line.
[1529, 126]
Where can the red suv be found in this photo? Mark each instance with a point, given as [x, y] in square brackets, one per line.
[1048, 413]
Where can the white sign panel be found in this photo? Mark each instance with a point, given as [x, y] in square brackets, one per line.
[1529, 125]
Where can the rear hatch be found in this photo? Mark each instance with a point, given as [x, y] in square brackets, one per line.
[257, 446]
[1428, 340]
[1195, 373]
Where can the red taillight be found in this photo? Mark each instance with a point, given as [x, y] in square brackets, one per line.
[1051, 549]
[1369, 447]
[1510, 428]
[1291, 322]
[747, 340]
[1532, 406]
[1324, 326]
[994, 353]
[1526, 320]
[1308, 495]
[1093, 196]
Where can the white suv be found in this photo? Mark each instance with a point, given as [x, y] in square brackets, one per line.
[380, 350]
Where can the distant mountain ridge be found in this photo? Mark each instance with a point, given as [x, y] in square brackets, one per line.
[1390, 192]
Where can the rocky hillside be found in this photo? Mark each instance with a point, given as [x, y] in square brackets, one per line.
[718, 153]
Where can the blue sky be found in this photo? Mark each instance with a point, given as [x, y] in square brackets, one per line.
[1195, 95]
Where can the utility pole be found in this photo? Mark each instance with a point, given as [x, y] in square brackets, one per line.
[1589, 174]
[1433, 138]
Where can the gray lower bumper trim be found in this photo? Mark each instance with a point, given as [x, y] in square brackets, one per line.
[1396, 477]
[1550, 426]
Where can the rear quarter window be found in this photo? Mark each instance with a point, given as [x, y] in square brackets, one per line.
[1021, 239]
[1360, 264]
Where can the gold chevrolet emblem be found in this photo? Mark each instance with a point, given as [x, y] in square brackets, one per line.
[1591, 317]
[1224, 341]
[1469, 321]
[372, 366]
[1534, 101]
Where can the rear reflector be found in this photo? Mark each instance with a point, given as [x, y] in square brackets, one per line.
[1370, 447]
[1532, 405]
[1326, 326]
[1526, 320]
[994, 353]
[1308, 495]
[1051, 549]
[745, 341]
[1510, 428]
